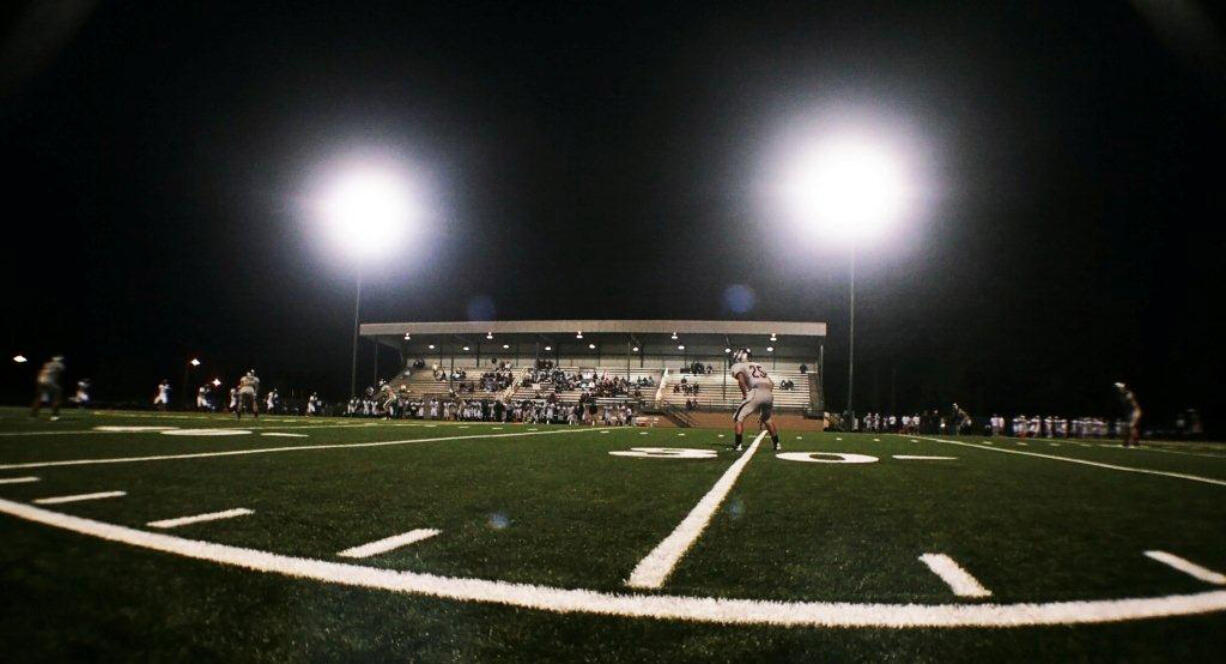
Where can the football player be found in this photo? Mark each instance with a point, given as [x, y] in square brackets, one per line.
[161, 398]
[1132, 435]
[248, 391]
[758, 396]
[47, 387]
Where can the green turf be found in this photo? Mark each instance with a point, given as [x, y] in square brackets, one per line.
[554, 508]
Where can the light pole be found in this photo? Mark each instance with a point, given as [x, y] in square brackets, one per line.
[851, 340]
[848, 188]
[366, 211]
[192, 364]
[353, 368]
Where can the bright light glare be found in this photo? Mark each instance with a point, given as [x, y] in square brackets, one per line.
[20, 359]
[368, 211]
[848, 187]
[194, 362]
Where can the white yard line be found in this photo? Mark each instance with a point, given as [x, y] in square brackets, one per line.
[634, 605]
[81, 432]
[959, 580]
[198, 518]
[271, 450]
[655, 568]
[1188, 567]
[18, 480]
[1097, 464]
[917, 457]
[56, 500]
[388, 543]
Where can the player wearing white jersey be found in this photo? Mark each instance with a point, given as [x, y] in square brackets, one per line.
[47, 387]
[161, 398]
[82, 397]
[757, 392]
[248, 393]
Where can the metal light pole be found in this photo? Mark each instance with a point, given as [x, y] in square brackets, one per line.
[851, 346]
[353, 373]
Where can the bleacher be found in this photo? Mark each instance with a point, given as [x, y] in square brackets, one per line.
[710, 396]
[572, 395]
[422, 383]
[711, 393]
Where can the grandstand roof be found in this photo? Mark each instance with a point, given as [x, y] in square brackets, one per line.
[611, 337]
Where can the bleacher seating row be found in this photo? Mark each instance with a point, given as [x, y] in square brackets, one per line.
[711, 387]
[711, 390]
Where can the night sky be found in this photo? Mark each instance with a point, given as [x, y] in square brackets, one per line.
[614, 162]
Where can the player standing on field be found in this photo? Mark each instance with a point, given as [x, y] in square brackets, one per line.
[161, 398]
[1132, 435]
[248, 391]
[757, 392]
[47, 387]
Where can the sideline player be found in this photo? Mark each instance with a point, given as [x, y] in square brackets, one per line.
[47, 387]
[757, 392]
[161, 398]
[248, 393]
[82, 396]
[1132, 436]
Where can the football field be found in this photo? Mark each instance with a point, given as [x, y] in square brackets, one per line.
[153, 537]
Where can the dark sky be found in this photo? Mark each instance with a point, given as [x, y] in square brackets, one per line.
[610, 162]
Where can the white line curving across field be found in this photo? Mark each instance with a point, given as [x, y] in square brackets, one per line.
[667, 607]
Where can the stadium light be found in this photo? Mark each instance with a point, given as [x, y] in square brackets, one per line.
[489, 336]
[591, 346]
[635, 349]
[506, 346]
[770, 349]
[195, 362]
[431, 346]
[680, 346]
[364, 208]
[849, 187]
[20, 359]
[408, 337]
[548, 347]
[727, 350]
[579, 335]
[367, 210]
[216, 382]
[466, 348]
